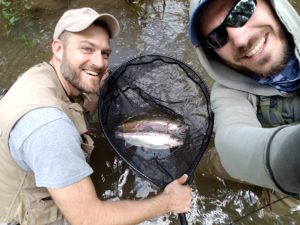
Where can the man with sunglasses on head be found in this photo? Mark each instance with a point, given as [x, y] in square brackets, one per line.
[251, 49]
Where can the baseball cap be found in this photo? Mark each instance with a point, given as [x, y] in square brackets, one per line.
[76, 20]
[197, 8]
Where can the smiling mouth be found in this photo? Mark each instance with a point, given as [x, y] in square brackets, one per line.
[257, 48]
[91, 73]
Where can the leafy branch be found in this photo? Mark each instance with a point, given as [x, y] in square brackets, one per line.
[11, 12]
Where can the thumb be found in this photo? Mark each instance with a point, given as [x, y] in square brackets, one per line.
[183, 179]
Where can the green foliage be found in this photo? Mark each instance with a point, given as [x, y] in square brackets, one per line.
[11, 12]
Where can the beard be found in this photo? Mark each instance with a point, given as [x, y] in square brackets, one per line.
[73, 76]
[281, 63]
[278, 65]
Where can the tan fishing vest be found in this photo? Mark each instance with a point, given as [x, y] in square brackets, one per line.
[20, 200]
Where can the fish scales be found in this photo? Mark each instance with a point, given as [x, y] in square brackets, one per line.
[155, 124]
[150, 140]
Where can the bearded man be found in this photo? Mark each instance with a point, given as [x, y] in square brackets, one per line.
[45, 178]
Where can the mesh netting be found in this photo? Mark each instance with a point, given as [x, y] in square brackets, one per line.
[155, 112]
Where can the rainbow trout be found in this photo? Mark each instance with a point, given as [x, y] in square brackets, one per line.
[156, 124]
[150, 140]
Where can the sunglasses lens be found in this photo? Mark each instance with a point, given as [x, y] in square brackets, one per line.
[241, 13]
[217, 38]
[237, 17]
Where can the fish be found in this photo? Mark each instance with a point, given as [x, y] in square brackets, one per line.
[150, 140]
[295, 209]
[158, 124]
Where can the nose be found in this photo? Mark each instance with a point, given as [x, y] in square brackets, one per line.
[238, 36]
[97, 59]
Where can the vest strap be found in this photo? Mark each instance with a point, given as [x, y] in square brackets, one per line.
[271, 110]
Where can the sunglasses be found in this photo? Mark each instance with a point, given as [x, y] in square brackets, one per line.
[238, 16]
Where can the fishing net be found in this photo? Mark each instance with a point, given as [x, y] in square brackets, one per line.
[155, 112]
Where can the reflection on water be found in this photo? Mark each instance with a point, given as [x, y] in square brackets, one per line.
[154, 28]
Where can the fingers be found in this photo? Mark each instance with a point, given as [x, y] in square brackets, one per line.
[90, 103]
[179, 195]
[183, 179]
[104, 78]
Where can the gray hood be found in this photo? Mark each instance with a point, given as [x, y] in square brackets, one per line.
[233, 79]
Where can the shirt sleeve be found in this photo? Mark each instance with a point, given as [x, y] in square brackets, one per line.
[46, 142]
[240, 140]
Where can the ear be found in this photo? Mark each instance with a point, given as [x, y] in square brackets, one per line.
[57, 49]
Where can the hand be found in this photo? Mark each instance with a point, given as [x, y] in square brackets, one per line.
[90, 103]
[179, 195]
[104, 78]
[91, 100]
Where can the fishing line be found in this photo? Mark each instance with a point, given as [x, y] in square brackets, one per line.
[258, 209]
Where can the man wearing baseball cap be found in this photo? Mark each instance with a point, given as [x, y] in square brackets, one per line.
[45, 177]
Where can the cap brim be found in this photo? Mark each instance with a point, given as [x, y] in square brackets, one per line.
[194, 26]
[112, 24]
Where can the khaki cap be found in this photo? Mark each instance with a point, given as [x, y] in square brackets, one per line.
[76, 20]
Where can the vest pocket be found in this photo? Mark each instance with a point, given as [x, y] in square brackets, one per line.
[41, 213]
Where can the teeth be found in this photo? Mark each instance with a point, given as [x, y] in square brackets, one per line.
[91, 73]
[257, 48]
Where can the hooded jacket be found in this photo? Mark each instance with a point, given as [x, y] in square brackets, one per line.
[247, 151]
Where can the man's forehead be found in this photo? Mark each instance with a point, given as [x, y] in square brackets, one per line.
[220, 5]
[93, 35]
[93, 30]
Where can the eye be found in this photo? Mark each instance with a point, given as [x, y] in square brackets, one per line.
[87, 50]
[106, 54]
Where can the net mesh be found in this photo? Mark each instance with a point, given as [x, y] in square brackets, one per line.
[156, 87]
